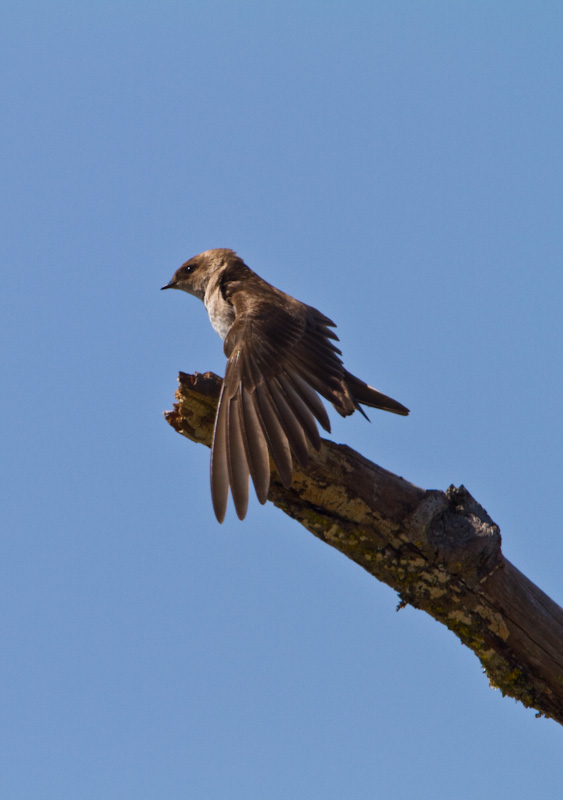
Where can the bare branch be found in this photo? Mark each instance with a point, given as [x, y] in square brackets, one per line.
[439, 550]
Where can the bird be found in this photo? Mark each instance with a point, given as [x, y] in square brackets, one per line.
[281, 355]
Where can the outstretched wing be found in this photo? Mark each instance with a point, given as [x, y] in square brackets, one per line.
[280, 354]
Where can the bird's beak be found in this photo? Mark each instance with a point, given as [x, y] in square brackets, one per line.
[171, 285]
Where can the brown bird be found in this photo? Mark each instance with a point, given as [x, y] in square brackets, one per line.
[280, 354]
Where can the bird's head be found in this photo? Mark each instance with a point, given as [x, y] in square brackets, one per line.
[194, 275]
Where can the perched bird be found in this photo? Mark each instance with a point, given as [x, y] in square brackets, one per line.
[280, 355]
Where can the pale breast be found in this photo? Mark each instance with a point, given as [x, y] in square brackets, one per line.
[221, 313]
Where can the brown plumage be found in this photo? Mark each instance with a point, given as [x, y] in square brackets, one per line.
[280, 353]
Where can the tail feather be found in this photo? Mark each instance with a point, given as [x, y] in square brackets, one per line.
[361, 392]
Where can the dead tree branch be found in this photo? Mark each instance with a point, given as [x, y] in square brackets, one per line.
[439, 550]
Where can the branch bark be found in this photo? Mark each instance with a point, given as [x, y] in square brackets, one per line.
[439, 550]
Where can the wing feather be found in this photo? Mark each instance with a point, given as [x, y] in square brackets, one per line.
[290, 422]
[238, 470]
[219, 465]
[278, 444]
[256, 446]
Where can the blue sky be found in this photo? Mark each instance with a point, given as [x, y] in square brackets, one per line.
[399, 166]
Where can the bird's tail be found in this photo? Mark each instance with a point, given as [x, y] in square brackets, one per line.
[363, 393]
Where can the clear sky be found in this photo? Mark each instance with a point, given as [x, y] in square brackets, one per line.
[397, 164]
